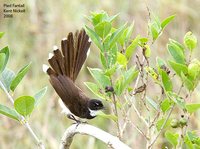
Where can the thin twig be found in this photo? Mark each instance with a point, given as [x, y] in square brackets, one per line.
[158, 112]
[126, 121]
[133, 96]
[140, 131]
[163, 125]
[22, 119]
[116, 112]
[139, 115]
[155, 118]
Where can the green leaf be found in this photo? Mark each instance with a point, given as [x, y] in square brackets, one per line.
[24, 105]
[147, 52]
[143, 41]
[176, 52]
[103, 60]
[109, 72]
[2, 60]
[178, 68]
[108, 116]
[154, 32]
[5, 56]
[192, 138]
[121, 59]
[116, 36]
[172, 138]
[174, 42]
[112, 18]
[152, 103]
[152, 73]
[1, 34]
[188, 142]
[103, 29]
[178, 100]
[126, 35]
[194, 69]
[129, 76]
[187, 82]
[112, 56]
[165, 105]
[123, 82]
[167, 83]
[132, 47]
[156, 20]
[38, 96]
[155, 28]
[94, 37]
[94, 89]
[166, 21]
[6, 78]
[190, 40]
[129, 32]
[196, 146]
[9, 112]
[20, 75]
[160, 123]
[97, 17]
[160, 62]
[192, 107]
[119, 88]
[99, 76]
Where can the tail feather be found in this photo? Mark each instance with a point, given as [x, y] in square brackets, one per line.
[60, 60]
[81, 54]
[51, 72]
[55, 65]
[74, 50]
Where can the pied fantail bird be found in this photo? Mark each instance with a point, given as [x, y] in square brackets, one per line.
[65, 67]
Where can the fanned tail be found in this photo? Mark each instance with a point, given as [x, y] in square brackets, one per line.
[74, 53]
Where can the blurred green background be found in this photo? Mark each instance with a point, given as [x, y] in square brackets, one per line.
[31, 37]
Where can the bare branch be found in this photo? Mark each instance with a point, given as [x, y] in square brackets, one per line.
[140, 116]
[163, 125]
[87, 129]
[140, 131]
[115, 110]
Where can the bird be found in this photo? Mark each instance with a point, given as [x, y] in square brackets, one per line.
[65, 65]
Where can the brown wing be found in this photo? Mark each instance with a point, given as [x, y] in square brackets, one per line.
[70, 94]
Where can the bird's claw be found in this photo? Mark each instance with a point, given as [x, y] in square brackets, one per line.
[70, 116]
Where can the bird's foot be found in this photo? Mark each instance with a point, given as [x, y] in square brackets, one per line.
[72, 117]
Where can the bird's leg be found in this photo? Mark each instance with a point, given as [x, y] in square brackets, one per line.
[72, 117]
[77, 122]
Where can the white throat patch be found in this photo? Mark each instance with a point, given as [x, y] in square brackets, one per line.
[93, 112]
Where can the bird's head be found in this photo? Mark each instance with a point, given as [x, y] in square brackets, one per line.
[94, 105]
